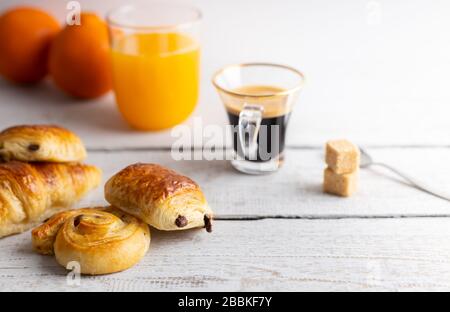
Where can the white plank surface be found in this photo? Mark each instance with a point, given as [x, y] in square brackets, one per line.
[297, 188]
[327, 254]
[308, 255]
[377, 71]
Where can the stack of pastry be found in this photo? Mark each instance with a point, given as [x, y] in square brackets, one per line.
[41, 177]
[111, 239]
[341, 175]
[40, 174]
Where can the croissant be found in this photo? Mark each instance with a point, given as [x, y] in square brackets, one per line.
[41, 143]
[100, 240]
[30, 193]
[159, 196]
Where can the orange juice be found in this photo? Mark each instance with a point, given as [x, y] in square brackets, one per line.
[156, 78]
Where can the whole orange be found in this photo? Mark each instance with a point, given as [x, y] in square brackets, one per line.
[79, 59]
[25, 37]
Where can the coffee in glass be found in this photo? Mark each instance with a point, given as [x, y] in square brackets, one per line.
[258, 99]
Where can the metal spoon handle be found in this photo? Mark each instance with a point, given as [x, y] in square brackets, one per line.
[418, 184]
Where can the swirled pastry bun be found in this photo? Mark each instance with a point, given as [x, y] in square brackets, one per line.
[41, 143]
[159, 196]
[100, 240]
[32, 192]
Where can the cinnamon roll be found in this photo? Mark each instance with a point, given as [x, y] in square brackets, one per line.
[101, 240]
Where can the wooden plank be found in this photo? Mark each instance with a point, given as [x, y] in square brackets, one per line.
[375, 83]
[296, 188]
[302, 255]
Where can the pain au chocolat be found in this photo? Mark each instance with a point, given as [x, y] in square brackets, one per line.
[32, 143]
[160, 197]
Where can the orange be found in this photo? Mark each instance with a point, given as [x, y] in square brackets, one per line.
[25, 37]
[79, 59]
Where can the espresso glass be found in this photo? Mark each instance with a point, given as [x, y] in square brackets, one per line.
[258, 98]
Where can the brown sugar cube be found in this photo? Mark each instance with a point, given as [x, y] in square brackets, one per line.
[342, 156]
[340, 184]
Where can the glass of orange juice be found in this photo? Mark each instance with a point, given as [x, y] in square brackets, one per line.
[155, 55]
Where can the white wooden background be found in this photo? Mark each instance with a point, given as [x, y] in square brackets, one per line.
[377, 74]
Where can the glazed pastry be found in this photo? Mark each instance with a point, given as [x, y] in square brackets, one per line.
[30, 193]
[101, 240]
[159, 196]
[40, 143]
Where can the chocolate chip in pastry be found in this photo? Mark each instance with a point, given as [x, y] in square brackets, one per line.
[31, 192]
[41, 143]
[100, 240]
[159, 196]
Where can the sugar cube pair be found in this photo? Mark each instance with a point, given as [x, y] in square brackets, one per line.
[341, 175]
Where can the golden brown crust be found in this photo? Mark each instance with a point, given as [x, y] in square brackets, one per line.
[43, 236]
[161, 197]
[41, 143]
[31, 192]
[32, 129]
[101, 240]
[153, 181]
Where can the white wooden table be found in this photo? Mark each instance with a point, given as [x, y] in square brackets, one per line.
[378, 75]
